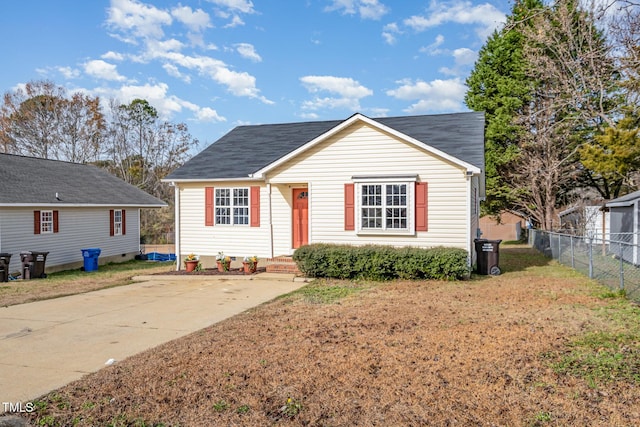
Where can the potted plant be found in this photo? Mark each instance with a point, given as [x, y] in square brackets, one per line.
[250, 264]
[223, 262]
[191, 262]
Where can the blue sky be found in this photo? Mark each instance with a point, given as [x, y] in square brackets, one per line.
[217, 64]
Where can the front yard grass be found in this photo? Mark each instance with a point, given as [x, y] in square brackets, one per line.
[539, 345]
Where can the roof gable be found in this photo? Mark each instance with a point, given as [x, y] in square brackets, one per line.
[31, 181]
[248, 151]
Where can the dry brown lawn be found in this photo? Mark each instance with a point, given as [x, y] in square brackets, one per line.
[472, 353]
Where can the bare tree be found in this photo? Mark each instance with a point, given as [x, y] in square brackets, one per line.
[40, 120]
[546, 164]
[31, 119]
[142, 149]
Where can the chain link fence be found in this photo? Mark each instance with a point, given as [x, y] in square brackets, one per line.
[615, 263]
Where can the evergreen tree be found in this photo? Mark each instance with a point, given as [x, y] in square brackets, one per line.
[499, 86]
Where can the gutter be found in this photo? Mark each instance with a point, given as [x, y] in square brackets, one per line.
[176, 231]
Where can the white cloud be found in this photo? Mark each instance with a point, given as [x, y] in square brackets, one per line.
[343, 86]
[173, 71]
[102, 70]
[389, 32]
[248, 51]
[207, 114]
[348, 91]
[434, 48]
[68, 72]
[137, 19]
[157, 95]
[367, 9]
[243, 6]
[113, 56]
[486, 17]
[463, 58]
[236, 21]
[196, 20]
[238, 83]
[435, 96]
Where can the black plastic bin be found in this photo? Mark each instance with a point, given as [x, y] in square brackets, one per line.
[33, 264]
[488, 256]
[5, 259]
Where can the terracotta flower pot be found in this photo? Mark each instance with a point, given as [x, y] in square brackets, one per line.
[223, 266]
[249, 267]
[191, 265]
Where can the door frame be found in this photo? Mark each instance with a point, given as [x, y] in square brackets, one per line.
[295, 193]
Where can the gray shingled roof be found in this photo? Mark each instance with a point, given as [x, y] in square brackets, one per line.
[34, 181]
[247, 149]
[626, 200]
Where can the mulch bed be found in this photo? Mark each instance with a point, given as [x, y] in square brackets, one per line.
[213, 272]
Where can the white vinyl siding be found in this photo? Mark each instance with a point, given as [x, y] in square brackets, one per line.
[207, 241]
[80, 228]
[363, 150]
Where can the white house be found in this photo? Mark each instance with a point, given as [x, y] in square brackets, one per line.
[61, 207]
[268, 189]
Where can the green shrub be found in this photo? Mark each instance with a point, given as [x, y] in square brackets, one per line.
[375, 262]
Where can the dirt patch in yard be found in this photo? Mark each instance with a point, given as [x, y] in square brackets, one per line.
[336, 353]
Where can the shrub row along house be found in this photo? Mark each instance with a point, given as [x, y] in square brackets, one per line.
[266, 190]
[61, 208]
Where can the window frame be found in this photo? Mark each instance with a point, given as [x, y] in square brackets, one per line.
[43, 223]
[233, 207]
[117, 224]
[384, 182]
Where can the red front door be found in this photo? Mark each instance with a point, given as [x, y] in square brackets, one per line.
[300, 217]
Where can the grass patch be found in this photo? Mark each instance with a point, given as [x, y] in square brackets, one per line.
[328, 292]
[609, 355]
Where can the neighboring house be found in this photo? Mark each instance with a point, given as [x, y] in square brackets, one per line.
[507, 226]
[591, 222]
[625, 226]
[266, 190]
[61, 208]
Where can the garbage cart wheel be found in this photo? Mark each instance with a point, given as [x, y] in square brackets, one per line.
[495, 270]
[43, 276]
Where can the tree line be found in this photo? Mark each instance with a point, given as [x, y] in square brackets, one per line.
[130, 141]
[560, 86]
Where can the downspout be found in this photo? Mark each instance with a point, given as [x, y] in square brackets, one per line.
[469, 210]
[270, 221]
[176, 198]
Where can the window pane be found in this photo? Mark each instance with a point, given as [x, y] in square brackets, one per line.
[223, 215]
[241, 216]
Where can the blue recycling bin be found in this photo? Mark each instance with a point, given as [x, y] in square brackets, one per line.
[91, 258]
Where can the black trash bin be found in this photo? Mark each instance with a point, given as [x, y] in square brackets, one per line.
[5, 259]
[39, 260]
[33, 264]
[488, 256]
[27, 262]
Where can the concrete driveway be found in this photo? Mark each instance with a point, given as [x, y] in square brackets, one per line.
[47, 344]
